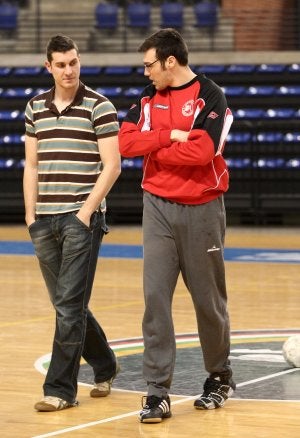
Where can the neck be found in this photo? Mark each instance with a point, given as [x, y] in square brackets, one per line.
[183, 76]
[65, 94]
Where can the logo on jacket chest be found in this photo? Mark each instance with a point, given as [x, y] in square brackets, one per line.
[188, 108]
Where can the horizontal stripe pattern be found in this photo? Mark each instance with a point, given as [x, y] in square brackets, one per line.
[69, 161]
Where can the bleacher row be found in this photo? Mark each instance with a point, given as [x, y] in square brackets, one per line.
[262, 149]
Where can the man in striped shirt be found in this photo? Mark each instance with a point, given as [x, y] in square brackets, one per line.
[72, 161]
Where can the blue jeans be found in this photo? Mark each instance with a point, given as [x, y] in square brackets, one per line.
[67, 251]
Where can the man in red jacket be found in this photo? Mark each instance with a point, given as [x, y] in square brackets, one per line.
[179, 124]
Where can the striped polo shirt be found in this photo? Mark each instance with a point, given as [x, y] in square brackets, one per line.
[69, 162]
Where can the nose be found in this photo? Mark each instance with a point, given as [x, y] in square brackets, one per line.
[68, 69]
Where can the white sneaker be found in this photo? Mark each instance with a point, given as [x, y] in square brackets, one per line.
[50, 404]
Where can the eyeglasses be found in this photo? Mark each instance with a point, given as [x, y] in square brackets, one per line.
[149, 65]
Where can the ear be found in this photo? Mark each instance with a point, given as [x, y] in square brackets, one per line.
[171, 61]
[48, 66]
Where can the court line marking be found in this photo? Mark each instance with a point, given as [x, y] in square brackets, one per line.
[183, 400]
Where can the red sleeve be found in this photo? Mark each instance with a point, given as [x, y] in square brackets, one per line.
[199, 150]
[134, 143]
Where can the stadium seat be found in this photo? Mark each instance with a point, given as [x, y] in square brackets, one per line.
[17, 93]
[90, 70]
[171, 15]
[11, 139]
[122, 113]
[270, 163]
[249, 113]
[27, 71]
[132, 163]
[7, 115]
[239, 163]
[269, 137]
[106, 16]
[294, 68]
[110, 91]
[118, 70]
[5, 71]
[133, 91]
[206, 14]
[233, 90]
[260, 90]
[288, 90]
[280, 113]
[8, 17]
[239, 137]
[210, 69]
[138, 15]
[241, 68]
[270, 68]
[292, 137]
[293, 163]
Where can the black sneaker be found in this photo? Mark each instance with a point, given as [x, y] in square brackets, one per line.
[216, 392]
[155, 409]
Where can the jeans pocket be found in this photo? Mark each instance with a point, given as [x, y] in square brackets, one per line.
[83, 225]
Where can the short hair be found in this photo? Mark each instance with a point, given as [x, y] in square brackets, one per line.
[167, 42]
[60, 43]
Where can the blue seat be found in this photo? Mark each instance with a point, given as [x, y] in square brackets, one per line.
[133, 91]
[294, 68]
[239, 137]
[288, 90]
[280, 113]
[5, 71]
[17, 92]
[90, 70]
[271, 68]
[110, 91]
[132, 163]
[239, 163]
[11, 139]
[171, 14]
[260, 90]
[122, 113]
[249, 113]
[139, 15]
[27, 71]
[270, 163]
[210, 69]
[233, 90]
[7, 115]
[206, 14]
[269, 137]
[118, 70]
[8, 17]
[292, 137]
[241, 68]
[106, 16]
[293, 163]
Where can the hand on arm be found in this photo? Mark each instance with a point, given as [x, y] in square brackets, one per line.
[30, 179]
[178, 135]
[111, 161]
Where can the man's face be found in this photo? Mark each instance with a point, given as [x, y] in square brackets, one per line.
[65, 68]
[158, 74]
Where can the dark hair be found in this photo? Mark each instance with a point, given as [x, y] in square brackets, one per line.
[60, 43]
[167, 42]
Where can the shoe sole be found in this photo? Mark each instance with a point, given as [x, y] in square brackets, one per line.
[156, 419]
[47, 407]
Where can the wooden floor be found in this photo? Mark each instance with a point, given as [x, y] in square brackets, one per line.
[262, 296]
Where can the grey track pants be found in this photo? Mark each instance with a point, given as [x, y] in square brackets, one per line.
[189, 240]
